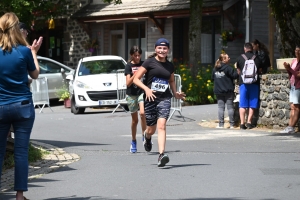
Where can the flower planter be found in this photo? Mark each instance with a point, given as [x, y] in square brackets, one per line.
[67, 103]
[280, 62]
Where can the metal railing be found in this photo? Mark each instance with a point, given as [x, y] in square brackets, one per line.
[176, 103]
[121, 90]
[40, 95]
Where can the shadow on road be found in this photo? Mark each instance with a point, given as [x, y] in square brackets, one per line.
[185, 165]
[182, 118]
[63, 144]
[296, 135]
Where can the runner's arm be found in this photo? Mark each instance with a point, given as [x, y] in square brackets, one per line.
[137, 81]
[129, 79]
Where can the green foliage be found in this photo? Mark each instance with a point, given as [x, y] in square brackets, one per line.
[34, 154]
[286, 14]
[199, 90]
[274, 71]
[28, 10]
[8, 161]
[63, 93]
[228, 36]
[90, 44]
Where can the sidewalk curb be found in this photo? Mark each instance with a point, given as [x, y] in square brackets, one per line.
[56, 159]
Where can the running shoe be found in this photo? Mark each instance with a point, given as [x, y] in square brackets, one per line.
[219, 126]
[163, 159]
[288, 129]
[243, 127]
[250, 126]
[147, 143]
[133, 147]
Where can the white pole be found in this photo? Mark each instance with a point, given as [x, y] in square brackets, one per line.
[247, 21]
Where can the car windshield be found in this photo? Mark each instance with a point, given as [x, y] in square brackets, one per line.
[100, 67]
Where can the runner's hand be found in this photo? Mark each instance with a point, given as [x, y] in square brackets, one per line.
[149, 94]
[180, 95]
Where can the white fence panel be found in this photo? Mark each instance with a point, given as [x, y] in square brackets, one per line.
[40, 95]
[176, 103]
[121, 89]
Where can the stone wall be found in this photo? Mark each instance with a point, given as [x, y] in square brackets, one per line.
[274, 100]
[74, 34]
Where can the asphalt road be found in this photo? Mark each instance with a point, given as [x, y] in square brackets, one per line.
[205, 163]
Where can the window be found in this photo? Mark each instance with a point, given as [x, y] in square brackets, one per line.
[47, 67]
[100, 66]
[135, 35]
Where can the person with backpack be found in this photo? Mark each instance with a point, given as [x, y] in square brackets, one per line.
[248, 67]
[262, 52]
[223, 76]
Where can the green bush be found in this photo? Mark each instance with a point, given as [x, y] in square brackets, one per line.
[34, 154]
[200, 89]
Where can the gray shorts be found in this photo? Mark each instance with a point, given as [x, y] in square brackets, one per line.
[294, 95]
[157, 109]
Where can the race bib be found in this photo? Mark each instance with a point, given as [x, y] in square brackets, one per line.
[159, 84]
[134, 69]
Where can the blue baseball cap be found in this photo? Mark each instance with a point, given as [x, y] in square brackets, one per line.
[162, 42]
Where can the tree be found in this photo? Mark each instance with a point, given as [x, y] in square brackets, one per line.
[195, 34]
[30, 10]
[287, 16]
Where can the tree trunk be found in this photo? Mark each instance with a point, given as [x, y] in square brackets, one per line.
[195, 35]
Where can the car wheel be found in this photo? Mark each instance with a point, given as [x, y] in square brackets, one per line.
[74, 109]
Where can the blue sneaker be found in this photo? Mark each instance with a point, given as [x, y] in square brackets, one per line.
[133, 147]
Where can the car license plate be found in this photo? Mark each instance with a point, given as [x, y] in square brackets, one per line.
[107, 102]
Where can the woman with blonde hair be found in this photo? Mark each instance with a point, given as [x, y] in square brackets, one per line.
[223, 76]
[18, 59]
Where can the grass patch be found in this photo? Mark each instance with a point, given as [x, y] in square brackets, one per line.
[34, 155]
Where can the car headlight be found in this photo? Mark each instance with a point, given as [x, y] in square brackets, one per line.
[82, 85]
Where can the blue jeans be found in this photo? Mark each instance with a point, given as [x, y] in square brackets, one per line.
[21, 117]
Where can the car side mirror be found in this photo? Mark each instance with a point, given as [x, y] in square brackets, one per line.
[69, 77]
[62, 70]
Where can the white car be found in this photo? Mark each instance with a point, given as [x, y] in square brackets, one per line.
[97, 82]
[56, 74]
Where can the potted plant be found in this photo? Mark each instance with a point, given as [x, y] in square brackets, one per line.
[90, 44]
[64, 95]
[229, 36]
